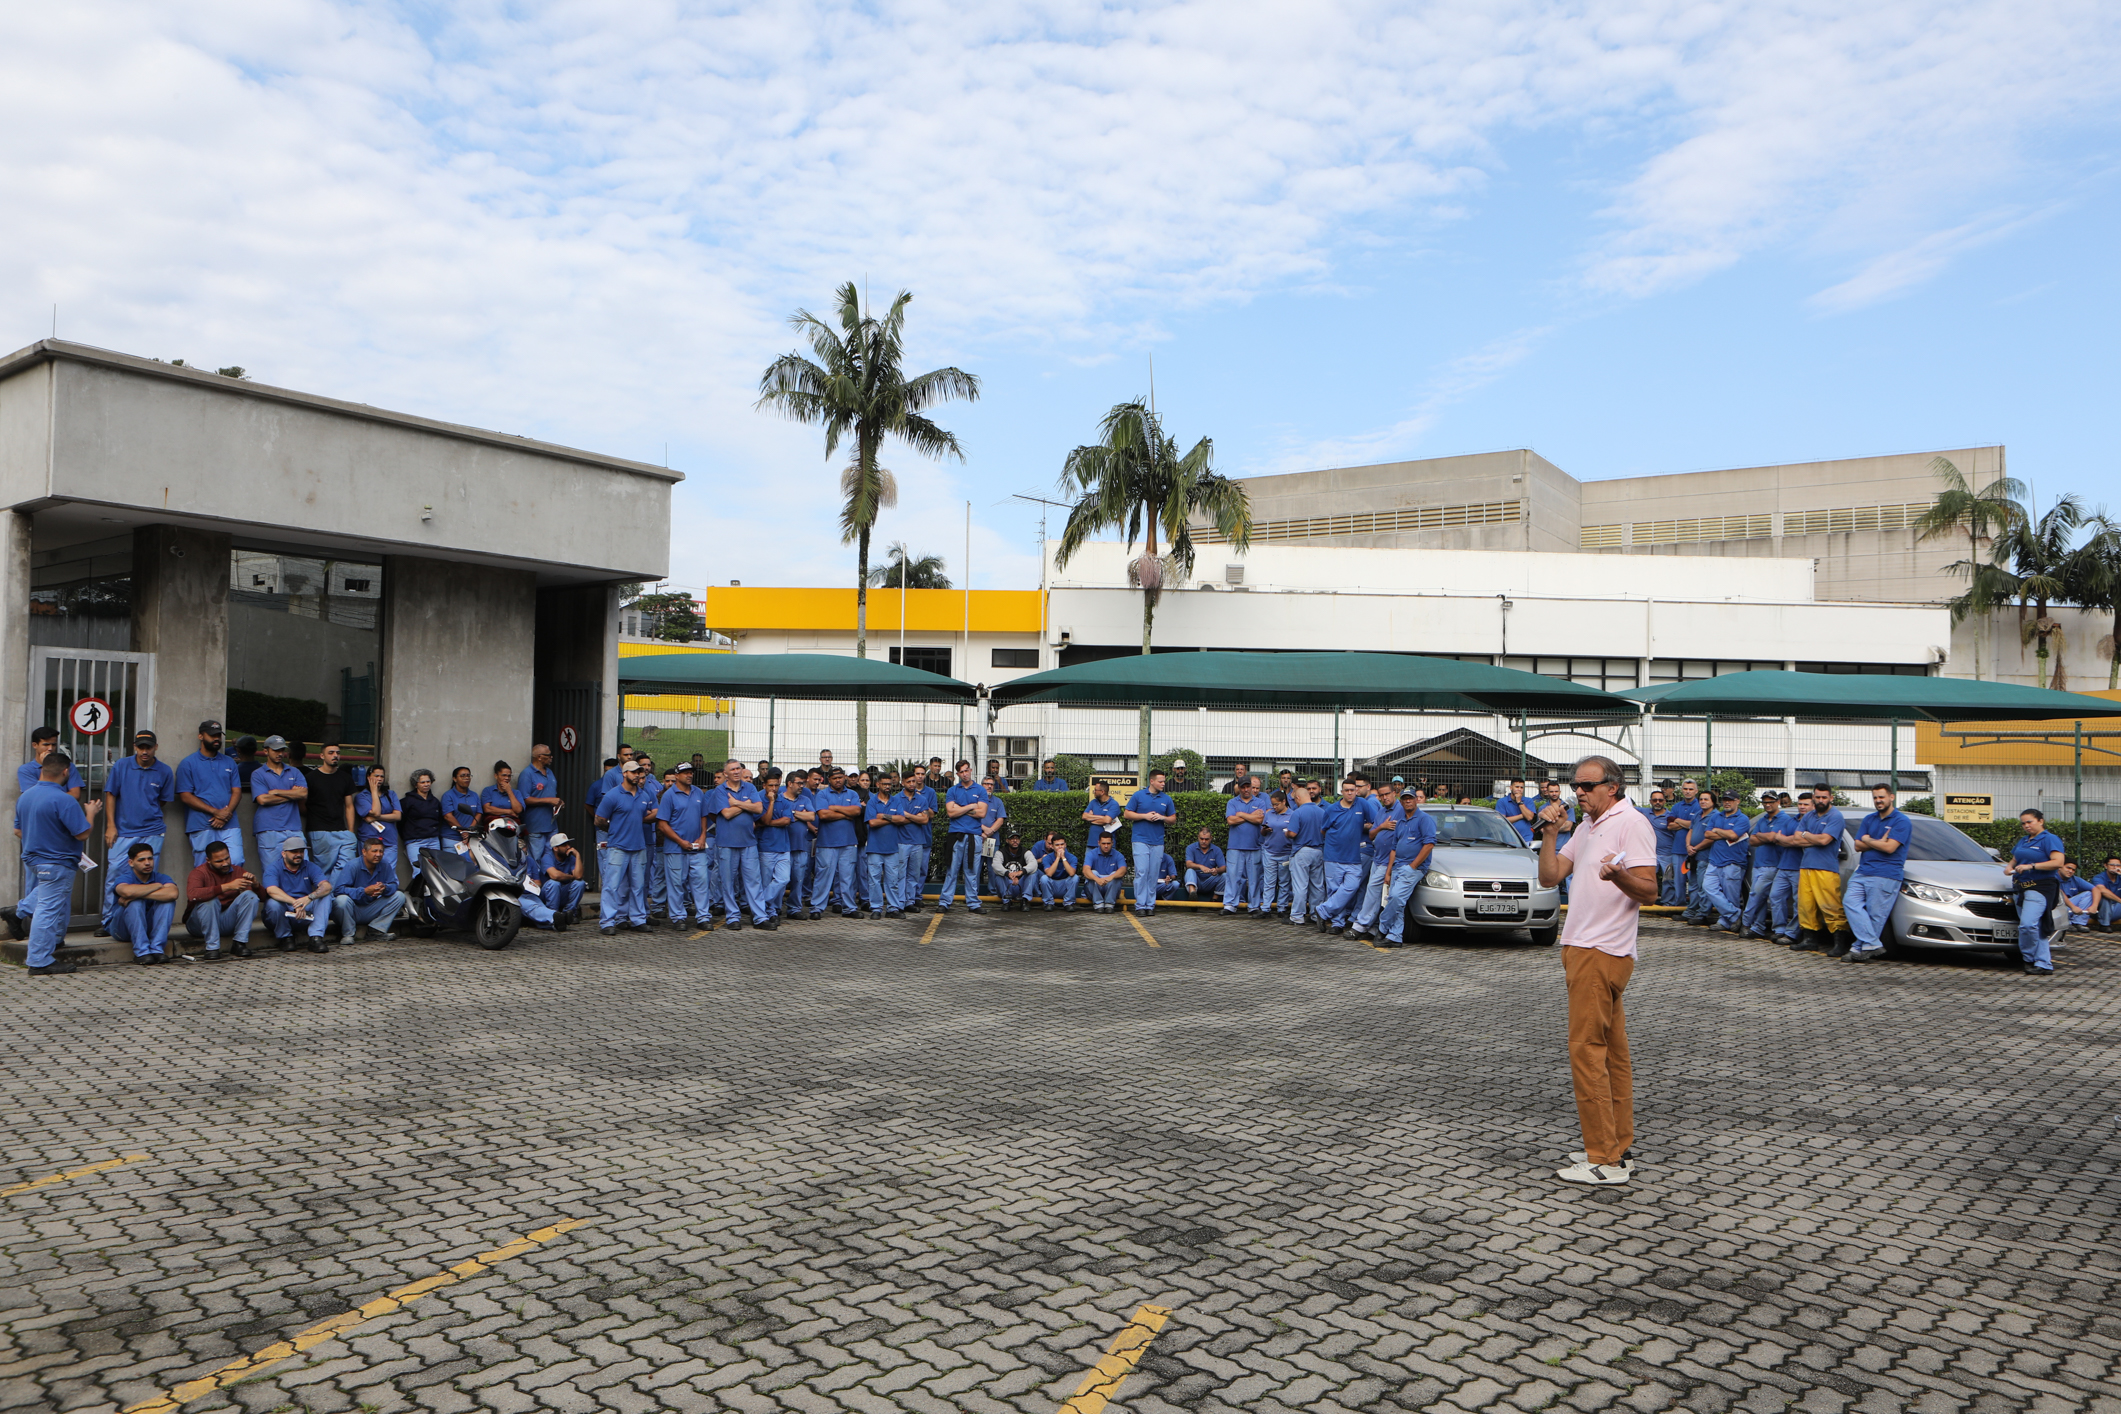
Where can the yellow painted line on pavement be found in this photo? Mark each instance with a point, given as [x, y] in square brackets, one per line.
[52, 1178]
[935, 921]
[1145, 938]
[343, 1323]
[1101, 1385]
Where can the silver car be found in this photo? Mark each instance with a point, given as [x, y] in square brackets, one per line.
[1482, 879]
[1954, 893]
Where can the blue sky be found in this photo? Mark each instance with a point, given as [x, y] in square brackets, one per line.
[1637, 236]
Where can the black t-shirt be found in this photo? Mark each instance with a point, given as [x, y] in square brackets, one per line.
[328, 792]
[422, 817]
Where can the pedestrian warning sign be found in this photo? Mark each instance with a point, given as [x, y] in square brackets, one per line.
[90, 716]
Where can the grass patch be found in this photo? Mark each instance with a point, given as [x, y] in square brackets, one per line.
[673, 744]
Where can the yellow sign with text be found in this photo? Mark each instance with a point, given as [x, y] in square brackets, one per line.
[1968, 809]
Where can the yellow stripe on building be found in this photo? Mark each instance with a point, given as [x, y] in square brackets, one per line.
[736, 609]
[667, 702]
[1934, 748]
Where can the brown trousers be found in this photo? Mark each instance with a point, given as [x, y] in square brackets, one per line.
[1598, 1051]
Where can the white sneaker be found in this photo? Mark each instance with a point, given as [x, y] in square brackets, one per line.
[1595, 1174]
[1627, 1160]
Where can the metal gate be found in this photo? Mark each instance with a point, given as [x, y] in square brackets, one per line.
[63, 677]
[579, 705]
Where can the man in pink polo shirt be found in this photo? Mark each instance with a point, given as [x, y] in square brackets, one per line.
[1610, 861]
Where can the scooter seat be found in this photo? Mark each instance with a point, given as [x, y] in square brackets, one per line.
[453, 865]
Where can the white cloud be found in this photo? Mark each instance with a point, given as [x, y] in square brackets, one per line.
[589, 220]
[1897, 272]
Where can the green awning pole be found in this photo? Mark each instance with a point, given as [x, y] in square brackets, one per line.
[1708, 752]
[2076, 737]
[1894, 779]
[770, 704]
[1522, 728]
[1336, 744]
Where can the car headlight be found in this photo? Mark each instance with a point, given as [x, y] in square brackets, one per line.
[1439, 879]
[1931, 893]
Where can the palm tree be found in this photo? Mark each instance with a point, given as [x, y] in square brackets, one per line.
[1133, 480]
[857, 391]
[918, 572]
[2038, 554]
[2095, 580]
[1979, 514]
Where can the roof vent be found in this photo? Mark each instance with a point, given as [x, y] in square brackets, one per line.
[1233, 574]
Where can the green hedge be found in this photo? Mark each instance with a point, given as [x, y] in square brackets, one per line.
[1032, 813]
[262, 715]
[2100, 838]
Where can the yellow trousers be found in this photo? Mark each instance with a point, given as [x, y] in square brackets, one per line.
[1819, 900]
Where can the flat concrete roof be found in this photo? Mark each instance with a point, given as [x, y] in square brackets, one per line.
[52, 350]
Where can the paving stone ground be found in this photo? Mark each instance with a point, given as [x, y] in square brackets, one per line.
[834, 1169]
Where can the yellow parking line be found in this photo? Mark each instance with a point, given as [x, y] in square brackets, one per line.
[1101, 1385]
[52, 1178]
[343, 1323]
[935, 921]
[1145, 938]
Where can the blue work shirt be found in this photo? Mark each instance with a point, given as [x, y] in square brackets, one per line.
[1822, 856]
[628, 815]
[299, 884]
[883, 834]
[214, 779]
[286, 815]
[1243, 833]
[1671, 841]
[28, 774]
[51, 822]
[142, 792]
[1043, 784]
[1150, 802]
[913, 833]
[1273, 835]
[1767, 853]
[775, 823]
[1309, 822]
[1104, 863]
[1509, 805]
[683, 811]
[537, 819]
[354, 876]
[1728, 851]
[799, 836]
[603, 786]
[1415, 832]
[462, 807]
[974, 794]
[1373, 813]
[2072, 889]
[1342, 832]
[1202, 856]
[738, 831]
[837, 833]
[497, 798]
[2028, 850]
[365, 829]
[1095, 810]
[1895, 826]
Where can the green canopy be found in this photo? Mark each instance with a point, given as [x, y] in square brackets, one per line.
[1869, 697]
[812, 676]
[1307, 682]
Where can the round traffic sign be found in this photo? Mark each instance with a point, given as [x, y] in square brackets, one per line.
[90, 716]
[568, 740]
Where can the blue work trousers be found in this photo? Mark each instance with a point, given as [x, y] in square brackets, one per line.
[625, 888]
[773, 879]
[688, 885]
[231, 836]
[1867, 903]
[1784, 904]
[1058, 887]
[1274, 890]
[1373, 895]
[377, 913]
[1104, 894]
[1148, 863]
[332, 849]
[742, 882]
[1307, 884]
[283, 922]
[832, 873]
[1760, 901]
[561, 895]
[963, 872]
[145, 925]
[218, 919]
[1242, 889]
[1671, 881]
[887, 878]
[1205, 886]
[1343, 883]
[1405, 879]
[1724, 888]
[2032, 904]
[50, 904]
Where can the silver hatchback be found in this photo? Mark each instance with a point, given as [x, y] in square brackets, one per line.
[1954, 894]
[1482, 879]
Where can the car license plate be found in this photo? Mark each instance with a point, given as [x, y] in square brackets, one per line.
[1497, 905]
[2004, 933]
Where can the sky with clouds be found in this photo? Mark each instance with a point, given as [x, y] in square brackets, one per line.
[1638, 236]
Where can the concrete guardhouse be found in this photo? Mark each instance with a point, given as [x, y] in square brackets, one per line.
[183, 545]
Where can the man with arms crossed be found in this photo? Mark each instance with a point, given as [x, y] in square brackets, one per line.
[1611, 860]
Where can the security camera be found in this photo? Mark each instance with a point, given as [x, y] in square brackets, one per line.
[1061, 637]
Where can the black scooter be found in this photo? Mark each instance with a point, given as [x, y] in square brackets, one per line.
[480, 893]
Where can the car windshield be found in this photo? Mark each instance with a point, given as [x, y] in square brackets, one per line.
[1934, 839]
[1473, 827]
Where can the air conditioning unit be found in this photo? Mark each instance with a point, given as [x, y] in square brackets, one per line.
[1233, 575]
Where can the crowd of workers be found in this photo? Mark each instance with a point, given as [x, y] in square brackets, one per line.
[703, 845]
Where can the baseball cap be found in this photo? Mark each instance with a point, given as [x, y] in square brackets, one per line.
[1399, 780]
[293, 844]
[210, 726]
[684, 768]
[560, 838]
[1729, 795]
[145, 735]
[276, 743]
